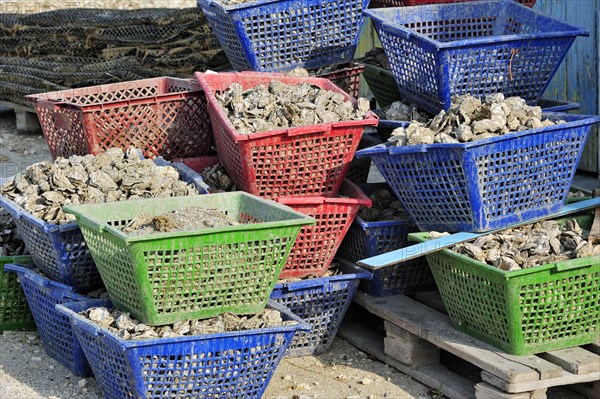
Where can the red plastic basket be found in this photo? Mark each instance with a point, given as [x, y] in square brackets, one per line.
[163, 116]
[304, 160]
[347, 77]
[316, 245]
[401, 3]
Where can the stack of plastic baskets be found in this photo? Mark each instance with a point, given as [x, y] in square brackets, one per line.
[485, 184]
[478, 48]
[168, 277]
[538, 309]
[299, 161]
[54, 328]
[60, 251]
[279, 35]
[322, 302]
[316, 245]
[232, 365]
[366, 239]
[161, 116]
[14, 310]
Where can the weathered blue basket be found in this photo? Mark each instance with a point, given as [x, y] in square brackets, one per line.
[485, 184]
[484, 47]
[60, 251]
[366, 239]
[226, 365]
[280, 35]
[54, 328]
[321, 302]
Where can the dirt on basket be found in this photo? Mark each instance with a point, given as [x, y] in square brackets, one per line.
[470, 119]
[45, 187]
[531, 245]
[185, 219]
[281, 106]
[126, 327]
[385, 207]
[10, 241]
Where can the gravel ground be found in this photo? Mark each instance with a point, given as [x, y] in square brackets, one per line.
[27, 372]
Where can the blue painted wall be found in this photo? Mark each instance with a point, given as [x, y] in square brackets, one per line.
[578, 76]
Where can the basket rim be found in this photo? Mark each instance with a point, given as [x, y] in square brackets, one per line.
[46, 100]
[66, 310]
[377, 16]
[571, 121]
[370, 118]
[507, 275]
[90, 221]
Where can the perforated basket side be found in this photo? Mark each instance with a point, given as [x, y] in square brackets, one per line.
[184, 366]
[14, 309]
[281, 35]
[54, 328]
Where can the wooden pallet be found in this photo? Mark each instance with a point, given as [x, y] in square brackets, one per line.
[415, 333]
[27, 120]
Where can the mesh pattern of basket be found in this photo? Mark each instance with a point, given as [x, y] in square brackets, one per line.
[485, 184]
[234, 365]
[167, 277]
[162, 116]
[527, 311]
[279, 35]
[478, 48]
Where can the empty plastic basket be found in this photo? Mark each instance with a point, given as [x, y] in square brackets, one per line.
[168, 277]
[279, 35]
[60, 251]
[316, 245]
[533, 310]
[366, 239]
[485, 184]
[321, 302]
[231, 365]
[408, 3]
[54, 328]
[304, 160]
[14, 310]
[162, 116]
[477, 47]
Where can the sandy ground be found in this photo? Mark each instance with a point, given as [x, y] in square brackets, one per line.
[26, 372]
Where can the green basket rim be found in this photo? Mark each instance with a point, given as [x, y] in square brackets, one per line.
[301, 219]
[562, 265]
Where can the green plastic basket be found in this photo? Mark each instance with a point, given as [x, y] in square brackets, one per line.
[382, 84]
[168, 277]
[522, 312]
[14, 310]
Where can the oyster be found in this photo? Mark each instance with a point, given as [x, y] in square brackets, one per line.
[44, 188]
[470, 119]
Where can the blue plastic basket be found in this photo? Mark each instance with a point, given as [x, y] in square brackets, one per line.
[54, 328]
[60, 251]
[479, 48]
[226, 365]
[322, 302]
[280, 35]
[485, 184]
[366, 239]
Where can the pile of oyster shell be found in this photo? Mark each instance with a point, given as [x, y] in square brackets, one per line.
[400, 111]
[126, 327]
[385, 207]
[45, 187]
[531, 245]
[217, 179]
[10, 241]
[280, 106]
[184, 219]
[470, 119]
